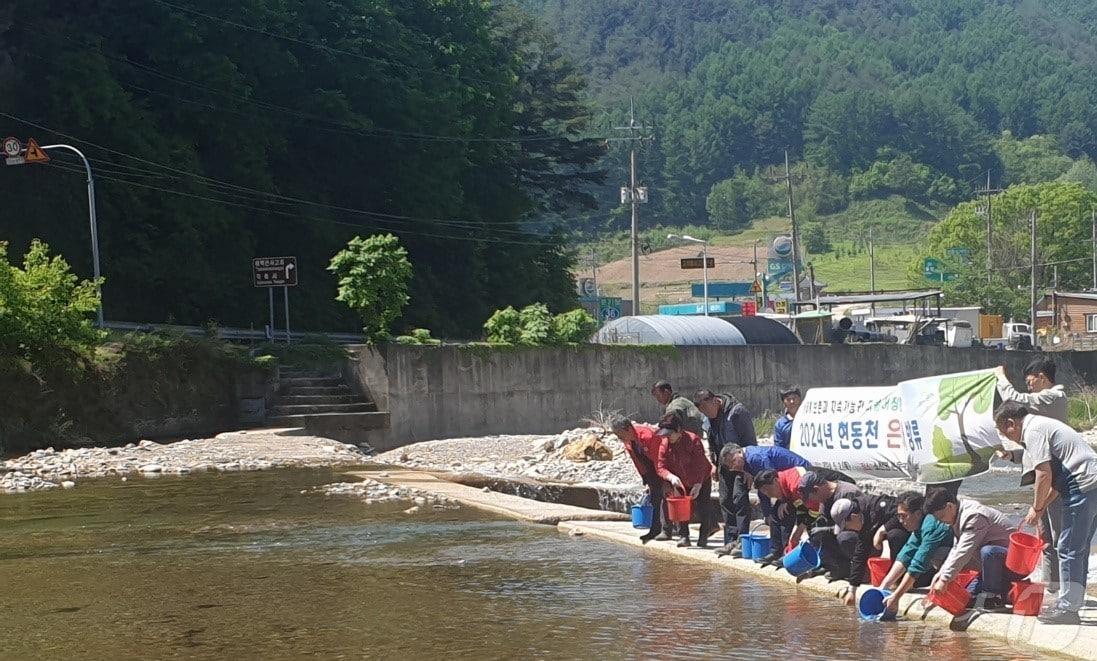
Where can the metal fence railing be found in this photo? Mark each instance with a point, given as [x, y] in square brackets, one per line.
[232, 334]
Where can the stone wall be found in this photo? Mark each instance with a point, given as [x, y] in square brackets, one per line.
[454, 391]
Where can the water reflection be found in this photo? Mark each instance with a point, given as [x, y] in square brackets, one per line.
[245, 566]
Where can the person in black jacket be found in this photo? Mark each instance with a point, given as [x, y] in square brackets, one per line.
[729, 422]
[862, 524]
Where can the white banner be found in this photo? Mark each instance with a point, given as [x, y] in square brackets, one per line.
[853, 430]
[950, 425]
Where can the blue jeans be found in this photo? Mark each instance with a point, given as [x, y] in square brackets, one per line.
[1079, 522]
[993, 576]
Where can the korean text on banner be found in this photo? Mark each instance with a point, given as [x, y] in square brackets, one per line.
[950, 425]
[852, 430]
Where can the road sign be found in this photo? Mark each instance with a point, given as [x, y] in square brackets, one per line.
[35, 154]
[756, 288]
[933, 269]
[780, 307]
[698, 262]
[750, 308]
[609, 308]
[12, 147]
[720, 289]
[274, 271]
[587, 287]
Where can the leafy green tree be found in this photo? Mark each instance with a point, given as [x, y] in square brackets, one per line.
[735, 202]
[1084, 172]
[1031, 160]
[574, 327]
[815, 239]
[45, 310]
[373, 276]
[504, 326]
[537, 327]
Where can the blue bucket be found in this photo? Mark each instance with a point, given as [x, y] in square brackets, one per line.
[747, 545]
[802, 559]
[641, 516]
[760, 547]
[871, 604]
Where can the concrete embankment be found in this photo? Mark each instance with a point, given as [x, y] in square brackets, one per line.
[1077, 641]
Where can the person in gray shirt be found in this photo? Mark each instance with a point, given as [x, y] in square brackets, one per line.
[1061, 465]
[982, 539]
[692, 420]
[1046, 398]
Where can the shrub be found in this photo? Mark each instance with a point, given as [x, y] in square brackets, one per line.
[504, 327]
[373, 281]
[419, 336]
[537, 326]
[574, 327]
[45, 310]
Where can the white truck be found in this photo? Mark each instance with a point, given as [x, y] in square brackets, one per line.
[1014, 336]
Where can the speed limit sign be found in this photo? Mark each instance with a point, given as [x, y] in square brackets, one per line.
[12, 147]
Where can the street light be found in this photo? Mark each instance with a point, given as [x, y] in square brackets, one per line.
[704, 259]
[91, 221]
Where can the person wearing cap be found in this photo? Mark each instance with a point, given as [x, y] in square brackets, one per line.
[921, 556]
[861, 525]
[782, 429]
[752, 460]
[820, 488]
[981, 536]
[642, 446]
[790, 510]
[692, 419]
[683, 464]
[729, 422]
[1061, 466]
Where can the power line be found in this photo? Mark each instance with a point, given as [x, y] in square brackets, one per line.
[245, 189]
[324, 47]
[401, 230]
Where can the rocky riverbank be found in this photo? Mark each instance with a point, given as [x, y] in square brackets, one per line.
[234, 451]
[372, 492]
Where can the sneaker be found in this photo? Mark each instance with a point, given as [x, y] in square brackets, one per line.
[663, 537]
[1059, 616]
[683, 543]
[989, 601]
[736, 553]
[648, 536]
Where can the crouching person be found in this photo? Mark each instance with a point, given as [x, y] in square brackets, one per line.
[683, 463]
[981, 536]
[752, 461]
[861, 525]
[820, 488]
[923, 554]
[642, 446]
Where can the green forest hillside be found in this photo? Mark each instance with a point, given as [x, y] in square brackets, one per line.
[871, 99]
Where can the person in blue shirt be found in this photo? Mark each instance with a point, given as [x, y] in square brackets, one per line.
[782, 430]
[925, 551]
[752, 460]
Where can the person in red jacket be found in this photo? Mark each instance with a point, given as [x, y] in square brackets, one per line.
[642, 446]
[683, 463]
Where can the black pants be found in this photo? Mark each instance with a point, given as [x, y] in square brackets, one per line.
[845, 545]
[702, 509]
[735, 504]
[658, 503]
[780, 527]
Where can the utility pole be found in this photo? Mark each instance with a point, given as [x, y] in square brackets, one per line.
[634, 196]
[811, 280]
[795, 234]
[594, 268]
[872, 269]
[1032, 273]
[987, 210]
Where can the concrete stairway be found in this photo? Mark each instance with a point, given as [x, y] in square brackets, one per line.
[324, 405]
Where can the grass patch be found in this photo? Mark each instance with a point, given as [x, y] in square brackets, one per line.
[1082, 409]
[847, 269]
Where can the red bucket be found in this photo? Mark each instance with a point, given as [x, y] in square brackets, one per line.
[1027, 597]
[1024, 553]
[878, 568]
[679, 508]
[955, 597]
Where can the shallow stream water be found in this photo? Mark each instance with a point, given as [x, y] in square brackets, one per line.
[243, 565]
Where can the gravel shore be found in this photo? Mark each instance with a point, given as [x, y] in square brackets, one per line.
[234, 451]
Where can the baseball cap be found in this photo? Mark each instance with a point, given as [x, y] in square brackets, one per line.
[840, 512]
[808, 482]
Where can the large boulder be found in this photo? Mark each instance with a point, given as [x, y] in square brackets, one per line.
[587, 448]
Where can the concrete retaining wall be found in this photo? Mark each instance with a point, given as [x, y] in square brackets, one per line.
[453, 391]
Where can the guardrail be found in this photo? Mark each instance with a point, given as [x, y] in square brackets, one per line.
[232, 334]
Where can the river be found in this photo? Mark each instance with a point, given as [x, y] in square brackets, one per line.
[244, 565]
